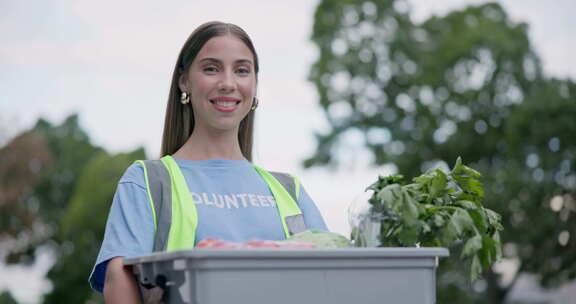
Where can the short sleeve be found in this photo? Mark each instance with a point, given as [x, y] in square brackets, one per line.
[130, 225]
[312, 216]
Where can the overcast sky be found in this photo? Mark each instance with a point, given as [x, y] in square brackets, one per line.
[111, 61]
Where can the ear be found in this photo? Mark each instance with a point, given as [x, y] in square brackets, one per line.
[183, 82]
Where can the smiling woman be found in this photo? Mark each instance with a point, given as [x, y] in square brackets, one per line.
[204, 185]
[216, 56]
[221, 85]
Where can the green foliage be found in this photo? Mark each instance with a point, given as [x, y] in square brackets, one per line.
[438, 210]
[418, 83]
[82, 226]
[36, 211]
[6, 298]
[322, 239]
[466, 84]
[56, 192]
[72, 149]
[20, 171]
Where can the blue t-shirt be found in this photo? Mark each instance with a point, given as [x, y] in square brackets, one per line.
[233, 203]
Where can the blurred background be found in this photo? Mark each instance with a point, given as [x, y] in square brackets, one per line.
[349, 90]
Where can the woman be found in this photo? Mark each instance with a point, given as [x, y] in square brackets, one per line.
[207, 143]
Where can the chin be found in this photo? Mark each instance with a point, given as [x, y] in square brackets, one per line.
[227, 126]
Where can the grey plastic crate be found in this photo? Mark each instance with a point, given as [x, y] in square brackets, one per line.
[286, 276]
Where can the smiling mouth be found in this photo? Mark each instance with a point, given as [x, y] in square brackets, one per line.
[225, 104]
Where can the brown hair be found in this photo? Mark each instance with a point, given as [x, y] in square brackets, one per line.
[179, 121]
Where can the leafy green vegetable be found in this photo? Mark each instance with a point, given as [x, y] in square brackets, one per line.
[322, 239]
[437, 209]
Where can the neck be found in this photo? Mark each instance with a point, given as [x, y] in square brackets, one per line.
[202, 145]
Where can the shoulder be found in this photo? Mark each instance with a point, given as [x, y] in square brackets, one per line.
[134, 174]
[274, 172]
[285, 177]
[283, 174]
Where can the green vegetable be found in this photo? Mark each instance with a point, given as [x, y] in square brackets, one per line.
[437, 210]
[322, 239]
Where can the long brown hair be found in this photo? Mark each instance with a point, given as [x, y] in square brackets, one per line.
[179, 121]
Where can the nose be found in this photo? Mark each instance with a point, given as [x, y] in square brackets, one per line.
[227, 82]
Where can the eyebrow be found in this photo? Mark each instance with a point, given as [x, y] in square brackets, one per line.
[241, 61]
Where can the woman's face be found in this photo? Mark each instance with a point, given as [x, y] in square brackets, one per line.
[221, 82]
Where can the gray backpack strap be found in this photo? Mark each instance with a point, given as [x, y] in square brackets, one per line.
[295, 223]
[161, 193]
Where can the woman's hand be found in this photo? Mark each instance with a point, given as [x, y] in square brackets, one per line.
[120, 285]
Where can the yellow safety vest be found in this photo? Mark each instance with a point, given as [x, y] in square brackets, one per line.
[174, 211]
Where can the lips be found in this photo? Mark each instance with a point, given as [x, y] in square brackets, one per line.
[225, 103]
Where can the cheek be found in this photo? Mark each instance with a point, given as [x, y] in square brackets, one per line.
[248, 88]
[201, 87]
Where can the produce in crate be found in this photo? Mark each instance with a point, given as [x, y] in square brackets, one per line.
[308, 239]
[322, 239]
[437, 210]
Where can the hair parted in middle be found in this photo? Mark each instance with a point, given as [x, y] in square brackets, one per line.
[179, 120]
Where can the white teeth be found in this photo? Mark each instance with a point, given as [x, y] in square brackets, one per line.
[226, 104]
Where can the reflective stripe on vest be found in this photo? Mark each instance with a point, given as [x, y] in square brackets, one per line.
[174, 211]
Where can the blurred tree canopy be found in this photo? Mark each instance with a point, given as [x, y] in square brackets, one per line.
[38, 173]
[466, 84]
[55, 192]
[82, 226]
[6, 298]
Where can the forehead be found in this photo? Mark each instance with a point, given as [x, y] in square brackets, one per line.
[225, 48]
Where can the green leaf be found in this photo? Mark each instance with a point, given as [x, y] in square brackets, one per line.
[423, 179]
[472, 246]
[408, 236]
[386, 196]
[475, 269]
[471, 172]
[390, 196]
[410, 209]
[479, 219]
[494, 219]
[449, 234]
[461, 221]
[470, 185]
[439, 220]
[496, 238]
[467, 204]
[488, 253]
[384, 181]
[438, 185]
[425, 228]
[458, 167]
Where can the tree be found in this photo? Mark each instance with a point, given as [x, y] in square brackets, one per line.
[6, 298]
[82, 226]
[22, 160]
[38, 171]
[467, 84]
[55, 191]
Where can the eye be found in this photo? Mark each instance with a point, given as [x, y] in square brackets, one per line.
[210, 69]
[243, 70]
